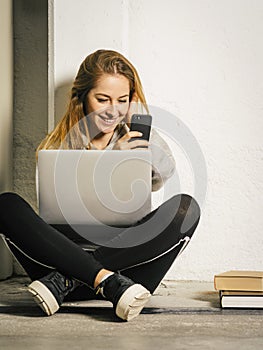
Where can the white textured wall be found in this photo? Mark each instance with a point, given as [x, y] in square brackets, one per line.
[81, 27]
[202, 61]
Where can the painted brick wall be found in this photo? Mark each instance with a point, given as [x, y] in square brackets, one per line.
[201, 61]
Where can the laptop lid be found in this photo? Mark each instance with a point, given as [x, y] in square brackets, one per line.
[94, 187]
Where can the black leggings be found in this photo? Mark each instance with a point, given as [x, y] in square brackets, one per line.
[39, 247]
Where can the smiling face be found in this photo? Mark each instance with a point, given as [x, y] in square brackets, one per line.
[108, 103]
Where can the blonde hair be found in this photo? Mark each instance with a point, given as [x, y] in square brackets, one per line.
[67, 134]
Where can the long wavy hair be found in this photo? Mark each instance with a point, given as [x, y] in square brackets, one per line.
[68, 132]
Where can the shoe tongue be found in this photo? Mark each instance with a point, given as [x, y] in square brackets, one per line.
[106, 276]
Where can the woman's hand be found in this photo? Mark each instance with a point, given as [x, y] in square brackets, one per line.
[130, 141]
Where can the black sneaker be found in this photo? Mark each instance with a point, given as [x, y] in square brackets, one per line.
[128, 298]
[49, 291]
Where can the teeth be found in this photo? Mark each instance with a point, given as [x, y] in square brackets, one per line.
[109, 121]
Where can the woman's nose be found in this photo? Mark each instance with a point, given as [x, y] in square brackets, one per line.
[113, 111]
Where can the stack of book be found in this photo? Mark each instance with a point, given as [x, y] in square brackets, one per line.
[240, 289]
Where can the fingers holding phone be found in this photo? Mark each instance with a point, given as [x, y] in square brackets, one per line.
[131, 140]
[139, 134]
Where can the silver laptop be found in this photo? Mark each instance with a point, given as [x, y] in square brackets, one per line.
[94, 187]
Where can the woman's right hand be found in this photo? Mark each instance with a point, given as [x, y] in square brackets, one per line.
[126, 142]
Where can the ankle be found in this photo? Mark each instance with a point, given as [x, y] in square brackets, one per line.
[101, 276]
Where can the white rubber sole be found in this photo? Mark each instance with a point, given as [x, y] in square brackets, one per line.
[132, 302]
[43, 297]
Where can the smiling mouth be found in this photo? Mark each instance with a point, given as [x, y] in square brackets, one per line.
[108, 121]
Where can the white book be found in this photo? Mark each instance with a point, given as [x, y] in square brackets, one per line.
[231, 299]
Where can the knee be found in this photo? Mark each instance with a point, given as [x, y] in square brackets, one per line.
[190, 204]
[184, 203]
[189, 211]
[187, 214]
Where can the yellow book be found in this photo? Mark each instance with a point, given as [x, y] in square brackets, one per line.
[239, 280]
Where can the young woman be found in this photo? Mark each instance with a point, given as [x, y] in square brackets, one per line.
[104, 92]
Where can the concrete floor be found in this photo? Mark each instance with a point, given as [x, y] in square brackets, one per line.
[181, 315]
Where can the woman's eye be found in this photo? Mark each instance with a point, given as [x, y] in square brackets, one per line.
[122, 101]
[101, 100]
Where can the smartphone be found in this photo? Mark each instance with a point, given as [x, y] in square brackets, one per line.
[141, 123]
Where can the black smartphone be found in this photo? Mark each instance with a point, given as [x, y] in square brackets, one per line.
[141, 123]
